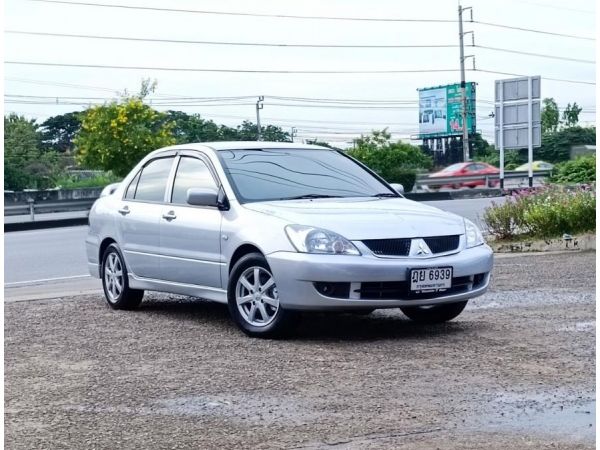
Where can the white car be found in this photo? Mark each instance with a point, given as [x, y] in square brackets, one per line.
[274, 228]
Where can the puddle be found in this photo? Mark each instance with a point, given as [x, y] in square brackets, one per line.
[569, 417]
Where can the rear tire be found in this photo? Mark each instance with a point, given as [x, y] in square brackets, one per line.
[115, 281]
[253, 299]
[434, 314]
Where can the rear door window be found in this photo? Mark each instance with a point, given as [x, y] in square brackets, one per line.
[152, 184]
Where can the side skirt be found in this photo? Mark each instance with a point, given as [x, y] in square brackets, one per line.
[206, 292]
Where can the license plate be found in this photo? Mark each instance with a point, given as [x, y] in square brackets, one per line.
[431, 279]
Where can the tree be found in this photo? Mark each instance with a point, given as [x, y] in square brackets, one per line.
[115, 136]
[248, 132]
[550, 116]
[192, 128]
[25, 165]
[321, 144]
[556, 147]
[21, 147]
[570, 115]
[59, 131]
[396, 162]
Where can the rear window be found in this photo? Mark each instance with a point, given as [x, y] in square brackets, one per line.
[152, 183]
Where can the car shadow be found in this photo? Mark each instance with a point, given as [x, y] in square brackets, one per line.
[312, 326]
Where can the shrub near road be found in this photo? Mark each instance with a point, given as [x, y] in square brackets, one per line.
[580, 170]
[396, 162]
[545, 213]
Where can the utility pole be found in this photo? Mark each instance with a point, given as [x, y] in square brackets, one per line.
[259, 106]
[463, 84]
[294, 133]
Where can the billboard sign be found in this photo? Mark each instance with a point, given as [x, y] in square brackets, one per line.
[440, 111]
[518, 121]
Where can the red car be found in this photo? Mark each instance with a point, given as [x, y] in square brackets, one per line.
[466, 169]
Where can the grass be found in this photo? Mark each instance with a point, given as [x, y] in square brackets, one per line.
[547, 212]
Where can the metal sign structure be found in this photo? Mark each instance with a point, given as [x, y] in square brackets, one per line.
[441, 111]
[518, 118]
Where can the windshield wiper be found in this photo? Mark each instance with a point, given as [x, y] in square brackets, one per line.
[307, 196]
[385, 194]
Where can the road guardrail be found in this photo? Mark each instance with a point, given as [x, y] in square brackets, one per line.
[32, 207]
[426, 180]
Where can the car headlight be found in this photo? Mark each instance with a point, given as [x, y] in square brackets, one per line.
[316, 240]
[474, 236]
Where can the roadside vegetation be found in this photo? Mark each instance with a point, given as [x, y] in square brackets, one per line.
[547, 212]
[580, 170]
[396, 162]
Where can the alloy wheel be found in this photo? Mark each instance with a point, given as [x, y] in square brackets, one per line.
[113, 277]
[256, 296]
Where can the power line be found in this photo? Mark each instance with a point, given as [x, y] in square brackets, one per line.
[233, 13]
[323, 72]
[189, 69]
[510, 27]
[55, 83]
[197, 99]
[288, 45]
[288, 16]
[541, 55]
[544, 77]
[248, 44]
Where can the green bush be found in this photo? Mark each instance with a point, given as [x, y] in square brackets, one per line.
[396, 162]
[544, 213]
[406, 177]
[580, 170]
[72, 182]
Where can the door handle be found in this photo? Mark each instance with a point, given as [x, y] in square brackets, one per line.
[169, 216]
[124, 210]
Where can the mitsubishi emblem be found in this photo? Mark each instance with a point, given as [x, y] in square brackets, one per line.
[423, 249]
[419, 248]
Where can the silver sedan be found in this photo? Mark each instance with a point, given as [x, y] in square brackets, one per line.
[273, 228]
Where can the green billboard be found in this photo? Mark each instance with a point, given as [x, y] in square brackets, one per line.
[440, 111]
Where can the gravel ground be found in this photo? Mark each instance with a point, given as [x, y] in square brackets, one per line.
[515, 370]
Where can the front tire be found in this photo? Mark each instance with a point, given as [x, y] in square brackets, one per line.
[434, 314]
[115, 281]
[253, 299]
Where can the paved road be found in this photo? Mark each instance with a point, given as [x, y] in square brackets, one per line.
[45, 262]
[515, 370]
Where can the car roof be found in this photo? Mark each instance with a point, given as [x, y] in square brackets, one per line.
[244, 145]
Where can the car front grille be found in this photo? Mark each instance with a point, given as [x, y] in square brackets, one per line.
[401, 247]
[389, 247]
[441, 244]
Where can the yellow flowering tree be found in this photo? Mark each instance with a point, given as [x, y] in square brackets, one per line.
[115, 136]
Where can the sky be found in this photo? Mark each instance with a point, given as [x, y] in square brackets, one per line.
[312, 119]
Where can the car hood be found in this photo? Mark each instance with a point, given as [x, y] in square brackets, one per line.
[365, 218]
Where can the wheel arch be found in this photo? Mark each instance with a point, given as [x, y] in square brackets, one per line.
[103, 246]
[240, 252]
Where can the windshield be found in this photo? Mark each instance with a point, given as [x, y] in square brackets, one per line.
[281, 174]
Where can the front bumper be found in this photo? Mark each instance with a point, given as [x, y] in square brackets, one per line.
[296, 274]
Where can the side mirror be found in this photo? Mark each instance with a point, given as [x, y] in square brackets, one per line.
[398, 188]
[202, 197]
